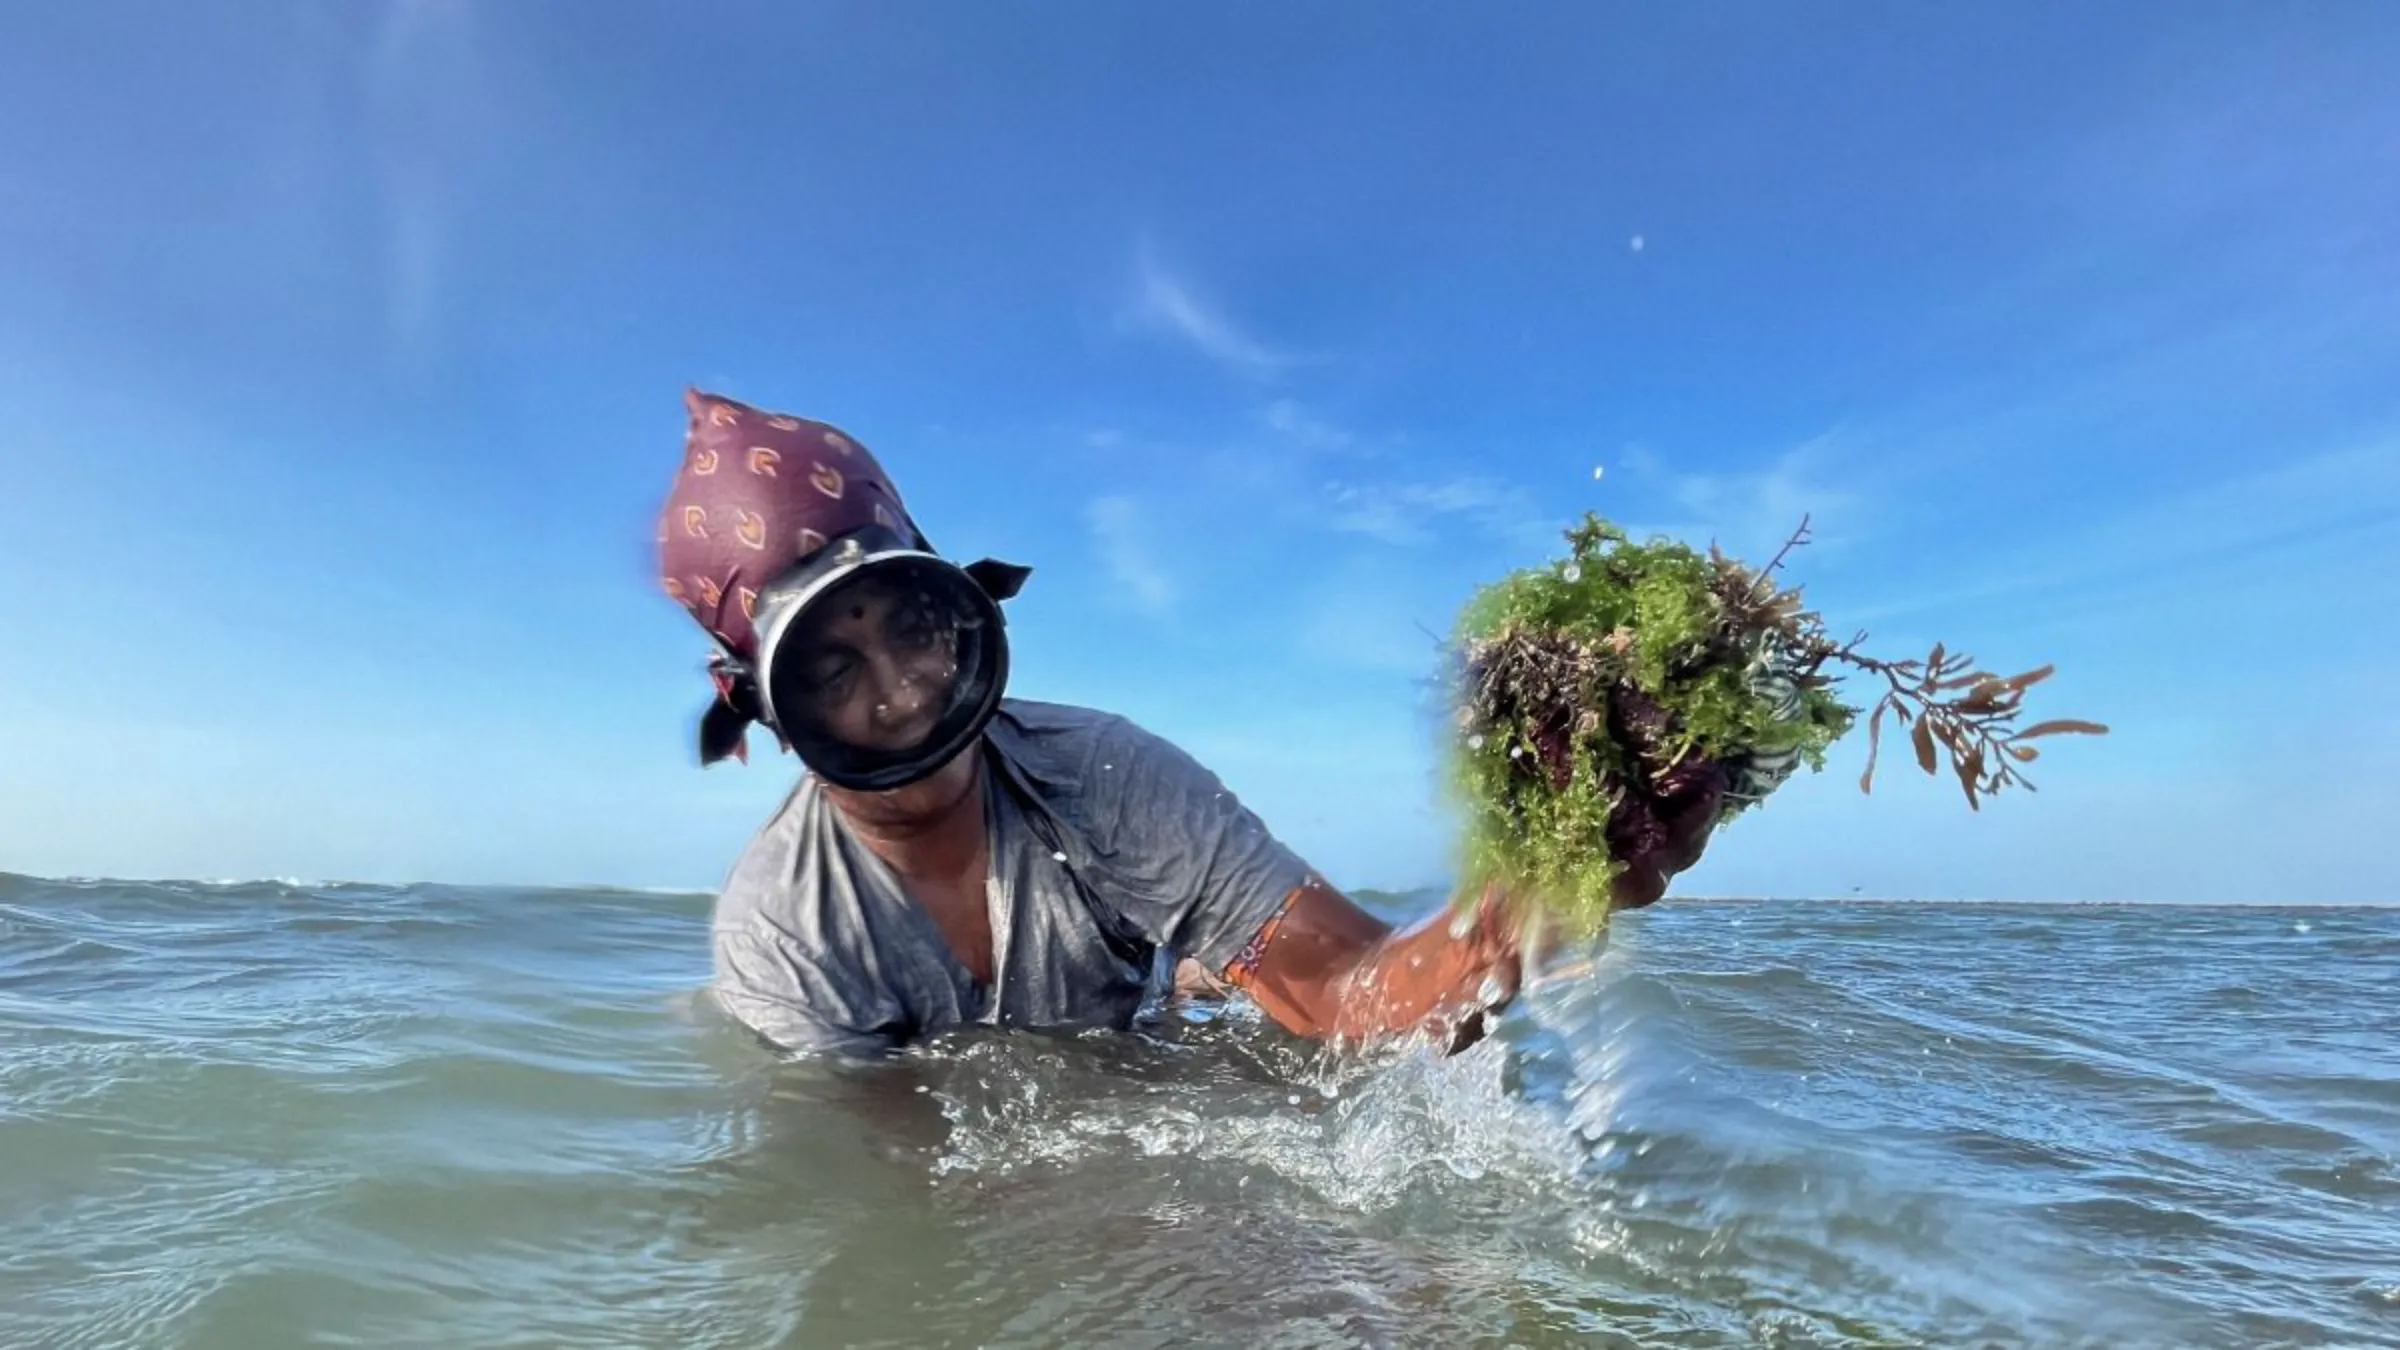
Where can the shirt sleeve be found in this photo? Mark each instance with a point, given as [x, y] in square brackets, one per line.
[1183, 860]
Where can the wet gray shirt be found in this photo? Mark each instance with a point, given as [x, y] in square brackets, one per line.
[1112, 853]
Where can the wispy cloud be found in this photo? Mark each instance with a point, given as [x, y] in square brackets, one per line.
[2346, 501]
[1418, 513]
[1166, 302]
[1313, 471]
[1278, 456]
[431, 114]
[1748, 511]
[1122, 535]
[1306, 431]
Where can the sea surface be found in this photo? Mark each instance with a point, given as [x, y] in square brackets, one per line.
[264, 1114]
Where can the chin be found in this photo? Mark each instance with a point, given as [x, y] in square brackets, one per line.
[936, 789]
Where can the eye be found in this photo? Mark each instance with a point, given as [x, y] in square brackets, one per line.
[829, 678]
[914, 628]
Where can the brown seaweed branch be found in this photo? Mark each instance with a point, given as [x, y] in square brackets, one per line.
[1944, 700]
[1969, 712]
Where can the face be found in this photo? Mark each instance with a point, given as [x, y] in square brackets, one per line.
[877, 663]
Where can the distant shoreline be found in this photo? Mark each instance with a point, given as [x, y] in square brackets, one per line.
[1417, 899]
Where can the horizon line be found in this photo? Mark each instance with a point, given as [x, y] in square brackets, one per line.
[1430, 891]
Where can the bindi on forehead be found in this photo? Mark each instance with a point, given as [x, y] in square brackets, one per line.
[849, 614]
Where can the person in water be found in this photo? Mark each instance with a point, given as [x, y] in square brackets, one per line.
[953, 856]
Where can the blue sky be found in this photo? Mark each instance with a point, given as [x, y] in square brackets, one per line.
[342, 350]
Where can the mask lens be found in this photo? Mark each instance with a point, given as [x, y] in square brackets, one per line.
[886, 673]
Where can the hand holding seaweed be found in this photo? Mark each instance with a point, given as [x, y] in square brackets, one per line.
[1614, 705]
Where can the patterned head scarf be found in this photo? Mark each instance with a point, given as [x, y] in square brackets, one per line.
[758, 493]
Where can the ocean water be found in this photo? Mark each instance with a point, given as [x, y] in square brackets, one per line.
[264, 1115]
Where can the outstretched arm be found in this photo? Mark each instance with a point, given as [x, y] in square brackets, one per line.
[1186, 863]
[1327, 969]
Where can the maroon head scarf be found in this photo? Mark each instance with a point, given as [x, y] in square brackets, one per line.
[759, 492]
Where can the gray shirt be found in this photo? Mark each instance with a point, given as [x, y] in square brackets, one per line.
[1112, 852]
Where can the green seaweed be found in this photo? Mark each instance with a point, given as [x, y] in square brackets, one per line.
[1593, 692]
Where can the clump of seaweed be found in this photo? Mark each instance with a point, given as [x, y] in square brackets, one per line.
[1597, 697]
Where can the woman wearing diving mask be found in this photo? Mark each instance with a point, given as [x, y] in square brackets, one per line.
[954, 856]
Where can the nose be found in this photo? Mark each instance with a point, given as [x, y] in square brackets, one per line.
[902, 692]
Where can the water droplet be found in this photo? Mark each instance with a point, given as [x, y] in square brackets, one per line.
[1516, 752]
[1294, 1099]
[1571, 572]
[1106, 767]
[1475, 742]
[1598, 470]
[1058, 857]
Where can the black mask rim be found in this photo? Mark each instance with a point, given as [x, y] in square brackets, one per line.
[780, 607]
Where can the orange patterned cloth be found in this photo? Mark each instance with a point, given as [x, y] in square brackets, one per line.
[757, 493]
